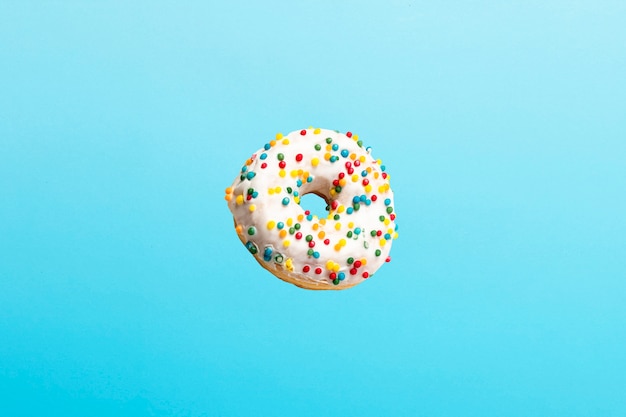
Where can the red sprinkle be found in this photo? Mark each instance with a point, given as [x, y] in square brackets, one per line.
[357, 163]
[318, 271]
[263, 165]
[357, 264]
[249, 197]
[388, 259]
[332, 276]
[348, 164]
[334, 204]
[366, 181]
[384, 175]
[312, 244]
[299, 157]
[366, 274]
[349, 134]
[379, 233]
[335, 182]
[298, 235]
[306, 268]
[374, 197]
[282, 164]
[307, 212]
[353, 271]
[341, 175]
[392, 216]
[326, 241]
[303, 132]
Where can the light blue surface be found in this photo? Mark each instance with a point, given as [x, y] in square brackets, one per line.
[125, 291]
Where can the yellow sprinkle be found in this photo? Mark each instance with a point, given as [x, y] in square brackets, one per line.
[285, 141]
[363, 261]
[321, 234]
[300, 217]
[329, 147]
[279, 136]
[341, 209]
[342, 182]
[229, 190]
[228, 197]
[322, 222]
[337, 226]
[315, 162]
[239, 229]
[390, 231]
[327, 156]
[272, 143]
[277, 190]
[248, 161]
[395, 235]
[289, 264]
[293, 173]
[252, 207]
[282, 173]
[355, 137]
[305, 174]
[271, 224]
[239, 199]
[316, 226]
[376, 175]
[368, 188]
[333, 192]
[379, 161]
[289, 222]
[387, 221]
[337, 247]
[362, 158]
[342, 242]
[317, 131]
[350, 225]
[300, 172]
[270, 191]
[381, 189]
[355, 178]
[353, 156]
[297, 199]
[369, 169]
[330, 264]
[286, 243]
[282, 234]
[382, 242]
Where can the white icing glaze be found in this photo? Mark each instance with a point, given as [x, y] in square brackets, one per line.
[336, 252]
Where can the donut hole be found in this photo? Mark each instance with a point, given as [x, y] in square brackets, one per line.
[317, 204]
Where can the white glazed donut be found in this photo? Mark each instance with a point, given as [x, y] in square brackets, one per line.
[332, 253]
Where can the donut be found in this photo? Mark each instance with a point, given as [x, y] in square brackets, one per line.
[334, 251]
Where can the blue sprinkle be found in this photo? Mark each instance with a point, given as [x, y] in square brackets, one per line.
[345, 153]
[387, 201]
[280, 225]
[364, 173]
[309, 179]
[295, 193]
[387, 236]
[382, 167]
[357, 231]
[396, 228]
[263, 156]
[267, 256]
[267, 146]
[363, 198]
[368, 202]
[309, 217]
[255, 194]
[316, 255]
[335, 146]
[244, 168]
[349, 210]
[299, 182]
[250, 175]
[285, 201]
[356, 199]
[341, 276]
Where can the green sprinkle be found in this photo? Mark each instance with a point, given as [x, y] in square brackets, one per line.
[318, 147]
[378, 252]
[281, 156]
[308, 238]
[329, 140]
[350, 261]
[252, 231]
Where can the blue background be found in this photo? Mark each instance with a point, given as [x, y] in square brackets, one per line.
[125, 291]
